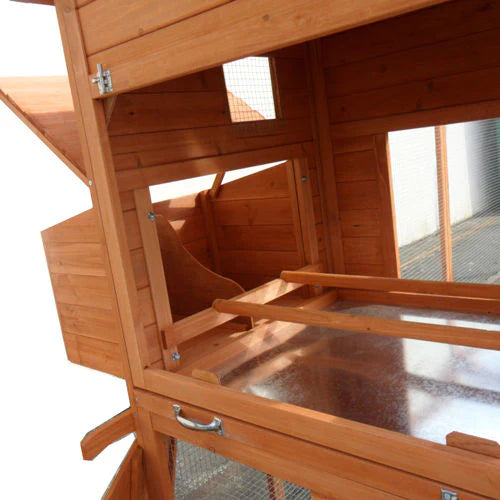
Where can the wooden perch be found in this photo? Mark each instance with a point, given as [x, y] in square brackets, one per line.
[107, 433]
[483, 291]
[472, 337]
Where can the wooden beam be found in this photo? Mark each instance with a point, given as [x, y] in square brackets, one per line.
[426, 301]
[148, 176]
[444, 202]
[214, 190]
[404, 453]
[105, 196]
[107, 433]
[208, 216]
[472, 337]
[205, 320]
[238, 29]
[482, 291]
[326, 164]
[156, 272]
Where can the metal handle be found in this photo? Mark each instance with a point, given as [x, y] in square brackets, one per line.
[214, 426]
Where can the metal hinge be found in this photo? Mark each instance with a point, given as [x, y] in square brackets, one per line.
[103, 80]
[448, 495]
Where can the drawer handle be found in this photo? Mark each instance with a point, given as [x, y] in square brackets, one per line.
[214, 426]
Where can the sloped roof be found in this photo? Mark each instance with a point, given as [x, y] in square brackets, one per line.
[45, 105]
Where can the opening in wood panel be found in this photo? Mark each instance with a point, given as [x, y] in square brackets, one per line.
[446, 182]
[251, 89]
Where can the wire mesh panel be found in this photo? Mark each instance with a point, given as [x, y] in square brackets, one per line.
[250, 89]
[452, 220]
[203, 475]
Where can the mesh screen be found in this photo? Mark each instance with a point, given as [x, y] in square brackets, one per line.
[200, 474]
[249, 85]
[468, 201]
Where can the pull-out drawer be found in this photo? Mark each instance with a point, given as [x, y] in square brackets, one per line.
[320, 469]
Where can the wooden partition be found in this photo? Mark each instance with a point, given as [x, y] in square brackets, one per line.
[84, 293]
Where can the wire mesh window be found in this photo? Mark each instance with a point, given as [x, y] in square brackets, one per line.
[203, 475]
[250, 89]
[446, 183]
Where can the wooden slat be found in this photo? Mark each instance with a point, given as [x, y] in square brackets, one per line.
[426, 301]
[107, 433]
[444, 203]
[185, 44]
[252, 237]
[429, 460]
[203, 321]
[326, 165]
[107, 23]
[355, 166]
[143, 177]
[154, 264]
[79, 229]
[75, 258]
[253, 212]
[472, 337]
[128, 483]
[484, 291]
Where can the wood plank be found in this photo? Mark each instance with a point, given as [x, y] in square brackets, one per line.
[389, 239]
[128, 483]
[460, 55]
[425, 27]
[444, 203]
[107, 23]
[156, 272]
[363, 250]
[107, 433]
[94, 353]
[92, 322]
[427, 301]
[92, 291]
[184, 44]
[472, 337]
[356, 223]
[358, 195]
[356, 166]
[258, 262]
[203, 321]
[143, 177]
[326, 164]
[75, 258]
[455, 289]
[428, 118]
[79, 229]
[209, 221]
[420, 457]
[253, 212]
[269, 183]
[269, 237]
[429, 94]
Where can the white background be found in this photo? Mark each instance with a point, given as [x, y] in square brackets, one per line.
[47, 404]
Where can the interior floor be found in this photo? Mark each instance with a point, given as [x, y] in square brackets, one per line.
[419, 388]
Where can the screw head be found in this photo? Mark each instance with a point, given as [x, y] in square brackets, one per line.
[90, 182]
[151, 216]
[303, 178]
[176, 356]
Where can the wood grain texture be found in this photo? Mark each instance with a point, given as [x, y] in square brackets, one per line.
[107, 433]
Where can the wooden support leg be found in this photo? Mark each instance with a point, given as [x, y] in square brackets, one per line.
[156, 460]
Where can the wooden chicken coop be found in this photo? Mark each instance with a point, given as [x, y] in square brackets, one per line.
[271, 344]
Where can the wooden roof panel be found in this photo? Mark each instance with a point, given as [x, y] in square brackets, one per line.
[45, 105]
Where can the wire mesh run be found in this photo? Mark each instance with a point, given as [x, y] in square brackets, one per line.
[200, 474]
[250, 89]
[448, 229]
